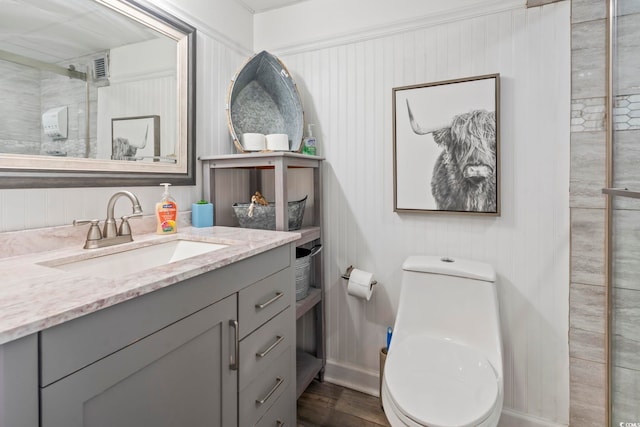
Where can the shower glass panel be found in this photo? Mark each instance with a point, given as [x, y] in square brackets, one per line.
[624, 232]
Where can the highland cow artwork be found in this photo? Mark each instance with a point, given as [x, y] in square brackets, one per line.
[446, 146]
[135, 138]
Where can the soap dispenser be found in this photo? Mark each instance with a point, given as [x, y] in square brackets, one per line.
[309, 143]
[166, 213]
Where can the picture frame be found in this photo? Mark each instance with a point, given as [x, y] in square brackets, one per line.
[135, 138]
[446, 146]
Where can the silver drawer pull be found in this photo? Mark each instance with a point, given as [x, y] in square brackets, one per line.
[280, 423]
[234, 365]
[271, 301]
[273, 390]
[271, 347]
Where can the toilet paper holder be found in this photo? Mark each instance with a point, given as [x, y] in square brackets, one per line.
[347, 275]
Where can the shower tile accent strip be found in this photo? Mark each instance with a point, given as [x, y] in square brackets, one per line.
[626, 112]
[587, 114]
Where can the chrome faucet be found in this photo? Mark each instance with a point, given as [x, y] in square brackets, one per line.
[111, 235]
[110, 222]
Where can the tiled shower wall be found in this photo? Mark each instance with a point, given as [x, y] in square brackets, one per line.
[588, 176]
[20, 119]
[30, 93]
[587, 302]
[588, 305]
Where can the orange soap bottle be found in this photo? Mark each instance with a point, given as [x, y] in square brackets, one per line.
[166, 213]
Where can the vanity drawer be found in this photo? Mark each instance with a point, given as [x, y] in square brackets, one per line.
[282, 413]
[263, 300]
[260, 348]
[256, 399]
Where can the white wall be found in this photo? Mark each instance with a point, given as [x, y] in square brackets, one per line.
[346, 84]
[223, 20]
[224, 37]
[313, 22]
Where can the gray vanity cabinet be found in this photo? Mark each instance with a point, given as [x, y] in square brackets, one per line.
[207, 351]
[186, 364]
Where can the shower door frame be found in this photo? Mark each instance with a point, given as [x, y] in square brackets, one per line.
[610, 193]
[610, 41]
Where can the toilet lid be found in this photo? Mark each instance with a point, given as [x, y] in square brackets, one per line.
[438, 383]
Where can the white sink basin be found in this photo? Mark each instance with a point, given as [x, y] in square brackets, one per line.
[138, 259]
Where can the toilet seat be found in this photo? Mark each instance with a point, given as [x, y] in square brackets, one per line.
[440, 383]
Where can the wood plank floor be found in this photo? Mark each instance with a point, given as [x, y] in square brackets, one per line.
[328, 405]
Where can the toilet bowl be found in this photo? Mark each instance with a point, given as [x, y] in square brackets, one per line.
[444, 365]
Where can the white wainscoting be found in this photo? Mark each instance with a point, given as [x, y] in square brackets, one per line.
[346, 91]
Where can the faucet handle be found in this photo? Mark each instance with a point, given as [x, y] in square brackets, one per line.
[94, 231]
[125, 229]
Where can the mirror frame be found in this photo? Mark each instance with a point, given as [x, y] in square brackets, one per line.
[48, 172]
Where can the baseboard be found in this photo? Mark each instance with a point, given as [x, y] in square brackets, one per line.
[511, 418]
[367, 381]
[352, 377]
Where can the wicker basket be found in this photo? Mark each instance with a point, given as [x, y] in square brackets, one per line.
[264, 217]
[263, 98]
[303, 270]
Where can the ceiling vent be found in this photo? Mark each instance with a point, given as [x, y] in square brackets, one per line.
[101, 67]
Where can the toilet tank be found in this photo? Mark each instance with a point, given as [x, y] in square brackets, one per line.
[451, 299]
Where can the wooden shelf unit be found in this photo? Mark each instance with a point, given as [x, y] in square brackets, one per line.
[308, 366]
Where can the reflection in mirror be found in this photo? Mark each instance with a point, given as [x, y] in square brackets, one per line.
[95, 92]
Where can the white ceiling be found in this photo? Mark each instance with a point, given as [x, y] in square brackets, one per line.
[59, 30]
[257, 6]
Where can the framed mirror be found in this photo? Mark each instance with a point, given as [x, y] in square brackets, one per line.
[95, 93]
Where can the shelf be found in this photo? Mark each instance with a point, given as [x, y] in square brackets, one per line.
[307, 303]
[262, 160]
[309, 234]
[309, 311]
[280, 162]
[307, 367]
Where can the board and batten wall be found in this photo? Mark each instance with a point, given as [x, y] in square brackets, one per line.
[346, 85]
[223, 44]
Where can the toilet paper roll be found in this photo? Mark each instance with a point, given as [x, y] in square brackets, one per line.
[360, 284]
[253, 141]
[278, 142]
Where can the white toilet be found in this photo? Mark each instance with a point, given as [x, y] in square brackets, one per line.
[444, 366]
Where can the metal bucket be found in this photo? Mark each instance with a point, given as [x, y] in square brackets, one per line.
[264, 217]
[303, 270]
[263, 98]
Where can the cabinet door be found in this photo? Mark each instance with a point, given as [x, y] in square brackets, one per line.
[178, 376]
[19, 382]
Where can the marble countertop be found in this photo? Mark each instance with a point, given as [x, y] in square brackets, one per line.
[34, 297]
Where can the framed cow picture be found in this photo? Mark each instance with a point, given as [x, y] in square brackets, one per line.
[135, 138]
[446, 146]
